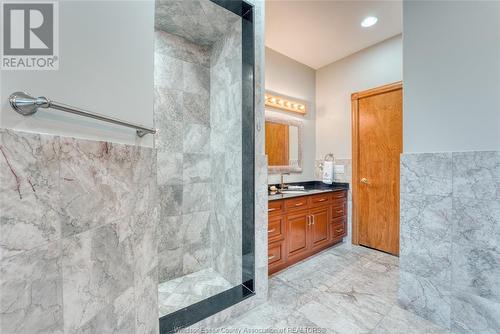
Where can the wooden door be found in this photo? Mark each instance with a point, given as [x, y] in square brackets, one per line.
[377, 145]
[277, 142]
[319, 227]
[297, 233]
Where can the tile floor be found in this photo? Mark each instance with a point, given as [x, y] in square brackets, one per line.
[345, 289]
[189, 289]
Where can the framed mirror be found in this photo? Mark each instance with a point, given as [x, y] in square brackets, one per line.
[284, 145]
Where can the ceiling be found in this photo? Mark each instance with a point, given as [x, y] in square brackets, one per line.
[317, 33]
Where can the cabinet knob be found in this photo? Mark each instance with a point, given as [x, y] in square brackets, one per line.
[364, 180]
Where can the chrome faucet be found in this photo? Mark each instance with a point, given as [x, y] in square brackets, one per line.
[282, 183]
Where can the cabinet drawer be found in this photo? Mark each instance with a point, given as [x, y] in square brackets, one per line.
[339, 194]
[274, 207]
[296, 203]
[339, 210]
[321, 199]
[276, 228]
[275, 252]
[338, 230]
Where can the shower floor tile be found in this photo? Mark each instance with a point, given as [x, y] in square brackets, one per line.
[189, 289]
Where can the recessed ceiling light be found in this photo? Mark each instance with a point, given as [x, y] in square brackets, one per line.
[369, 21]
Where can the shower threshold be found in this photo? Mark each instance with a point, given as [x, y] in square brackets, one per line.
[186, 290]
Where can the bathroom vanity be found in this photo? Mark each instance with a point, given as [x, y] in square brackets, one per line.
[304, 223]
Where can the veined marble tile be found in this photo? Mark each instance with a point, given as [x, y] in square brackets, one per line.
[476, 221]
[145, 242]
[98, 271]
[146, 303]
[196, 228]
[169, 137]
[196, 79]
[170, 230]
[170, 264]
[426, 173]
[200, 22]
[196, 108]
[326, 317]
[196, 138]
[425, 298]
[233, 168]
[116, 318]
[400, 321]
[196, 197]
[168, 71]
[476, 253]
[100, 182]
[189, 289]
[426, 236]
[29, 191]
[476, 175]
[168, 106]
[196, 168]
[473, 314]
[31, 291]
[476, 270]
[171, 200]
[169, 168]
[180, 48]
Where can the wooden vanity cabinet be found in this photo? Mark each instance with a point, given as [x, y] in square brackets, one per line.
[302, 226]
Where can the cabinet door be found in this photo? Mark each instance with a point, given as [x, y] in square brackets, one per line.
[297, 233]
[276, 228]
[320, 226]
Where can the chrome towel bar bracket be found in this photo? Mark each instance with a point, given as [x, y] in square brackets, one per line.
[26, 105]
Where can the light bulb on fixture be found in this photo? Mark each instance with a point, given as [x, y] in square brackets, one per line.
[369, 21]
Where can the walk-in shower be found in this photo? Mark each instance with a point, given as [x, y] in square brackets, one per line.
[117, 214]
[203, 78]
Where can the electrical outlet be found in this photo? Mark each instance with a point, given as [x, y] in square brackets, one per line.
[339, 169]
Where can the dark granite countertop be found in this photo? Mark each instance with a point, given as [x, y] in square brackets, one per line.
[311, 188]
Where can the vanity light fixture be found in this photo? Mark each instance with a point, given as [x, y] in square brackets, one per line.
[369, 21]
[285, 104]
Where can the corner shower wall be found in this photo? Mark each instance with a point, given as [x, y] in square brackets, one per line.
[226, 154]
[198, 104]
[182, 116]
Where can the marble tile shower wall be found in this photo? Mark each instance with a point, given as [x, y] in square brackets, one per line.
[261, 278]
[77, 236]
[182, 115]
[226, 154]
[450, 237]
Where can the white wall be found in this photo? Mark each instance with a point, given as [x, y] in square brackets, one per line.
[289, 77]
[451, 76]
[106, 66]
[374, 66]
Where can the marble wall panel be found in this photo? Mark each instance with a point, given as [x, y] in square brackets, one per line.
[29, 177]
[31, 291]
[450, 232]
[84, 278]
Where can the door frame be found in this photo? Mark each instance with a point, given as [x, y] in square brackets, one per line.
[355, 148]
